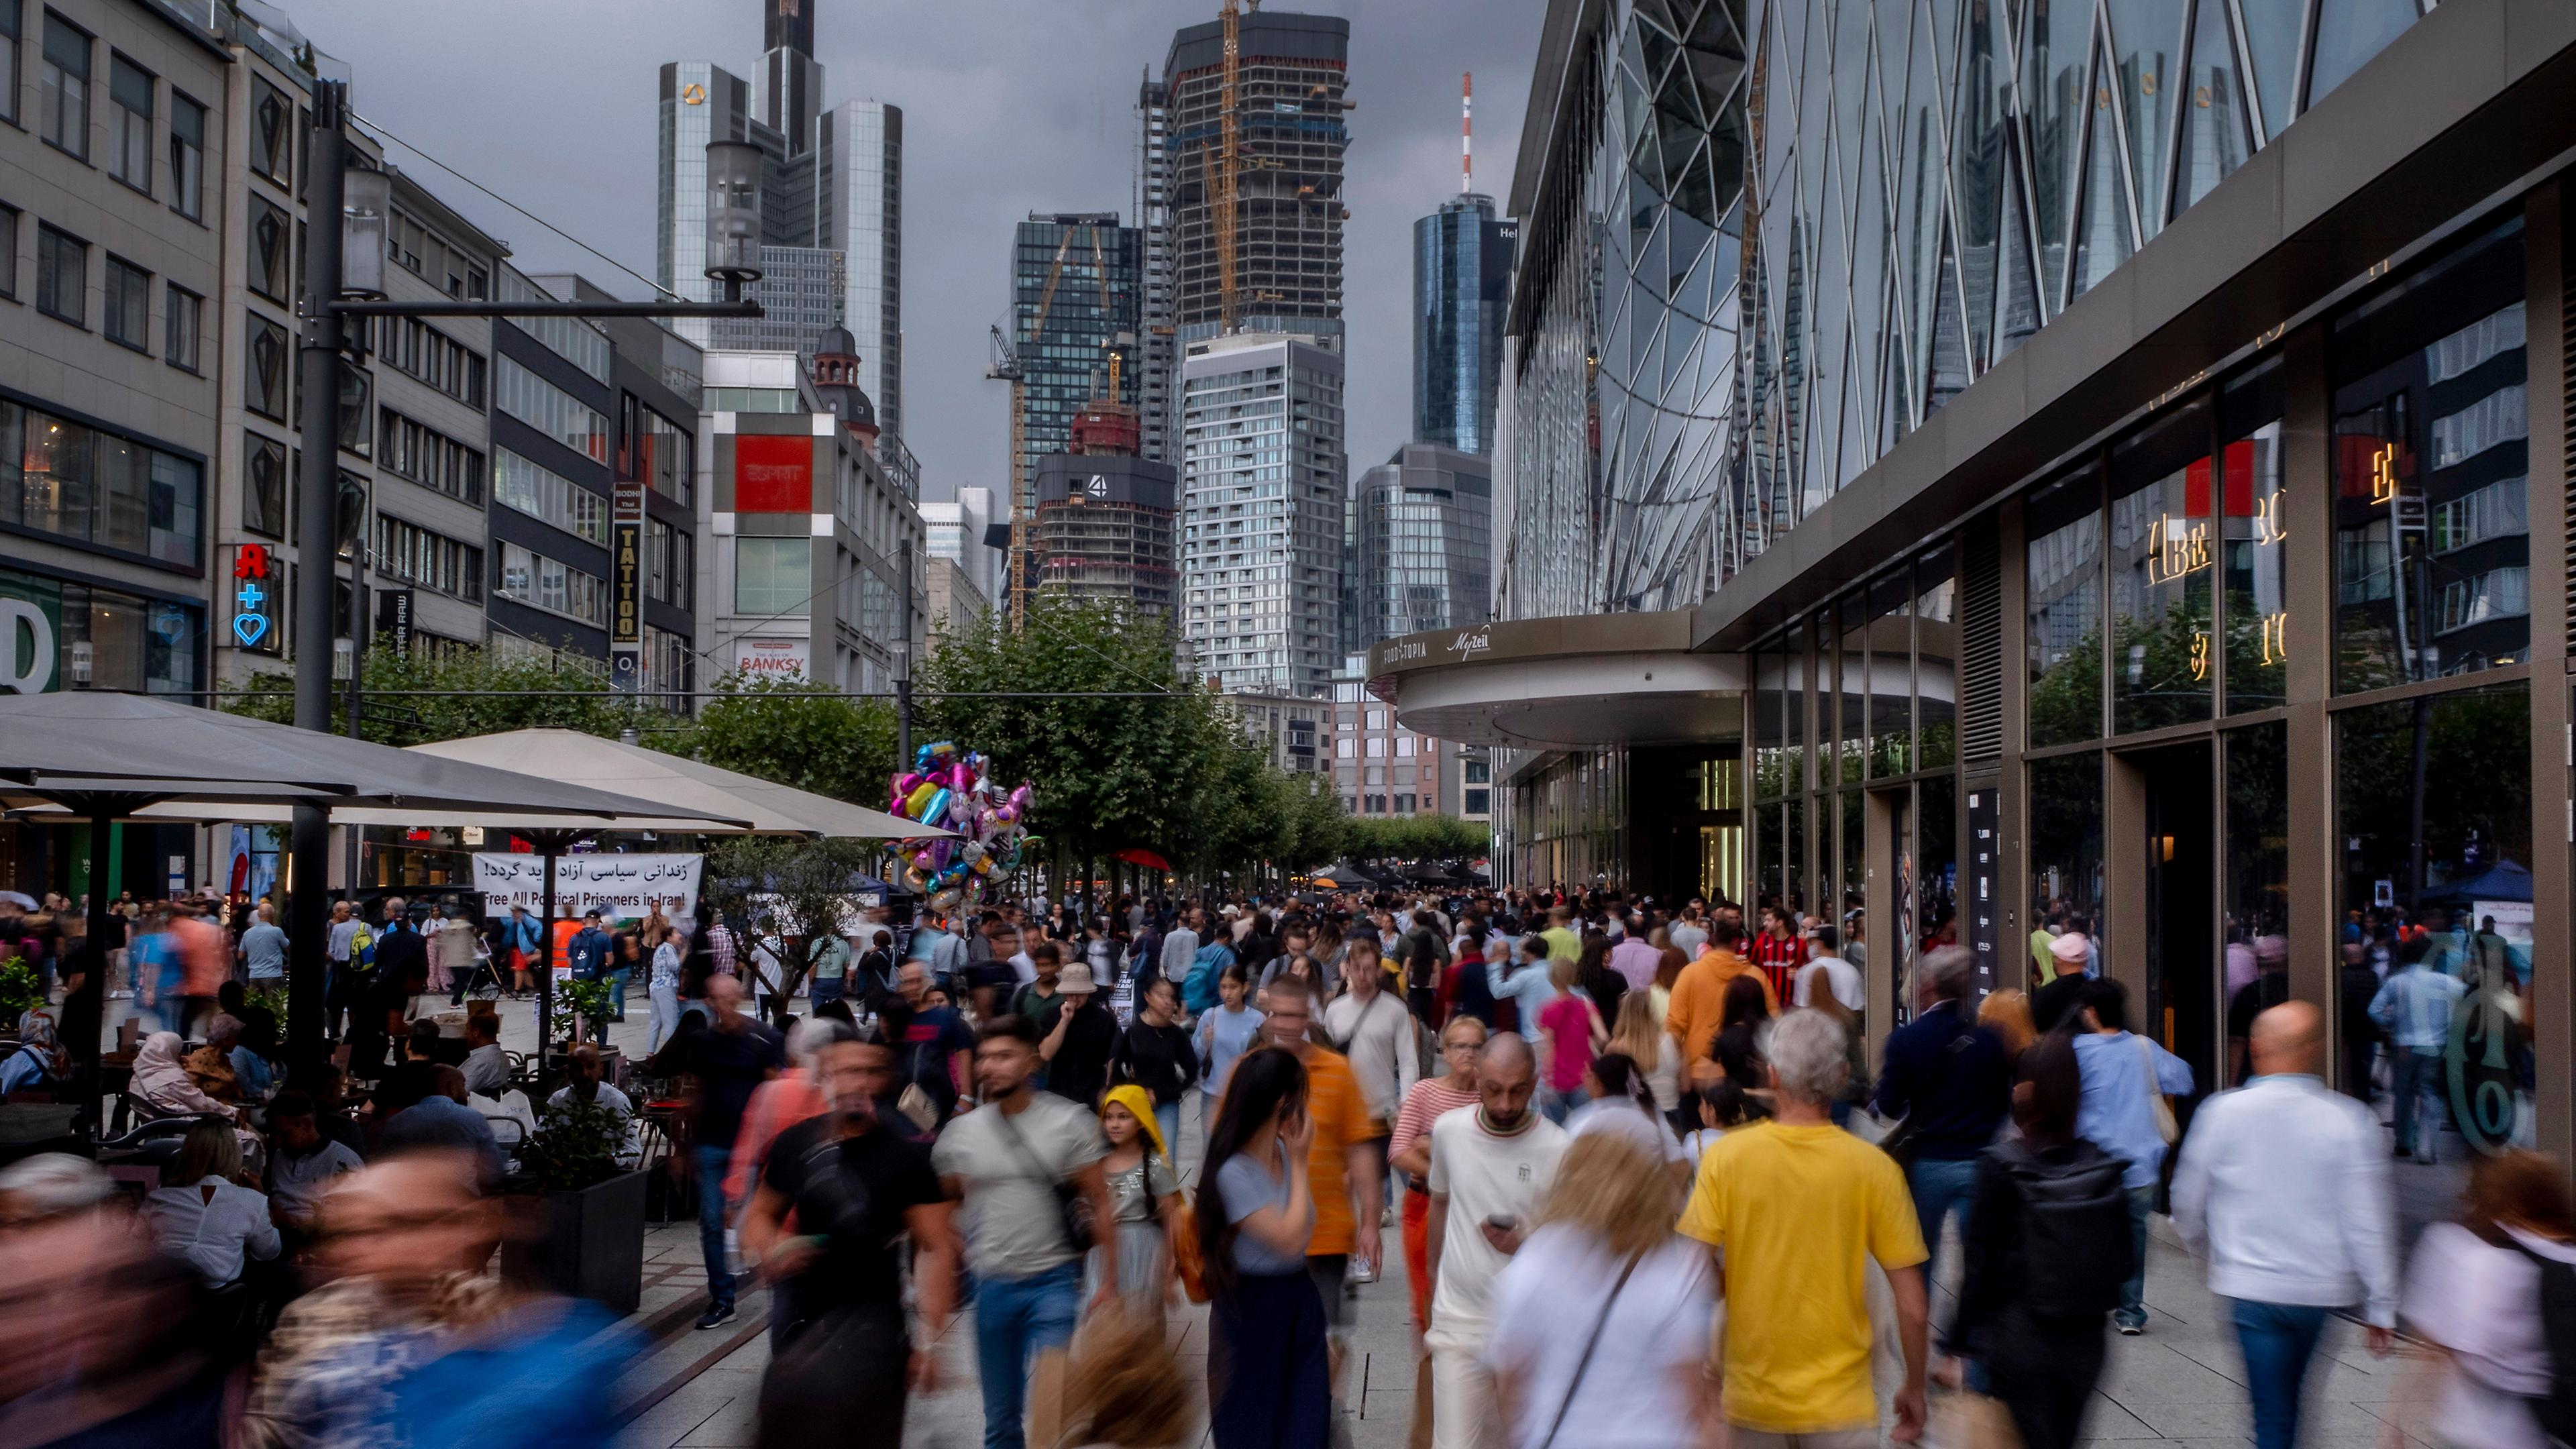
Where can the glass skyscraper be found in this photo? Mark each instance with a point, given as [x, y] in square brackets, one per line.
[1076, 297]
[1425, 521]
[1462, 276]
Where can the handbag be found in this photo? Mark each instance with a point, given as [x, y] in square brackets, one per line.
[1187, 1258]
[1072, 1207]
[1575, 1385]
[2165, 1125]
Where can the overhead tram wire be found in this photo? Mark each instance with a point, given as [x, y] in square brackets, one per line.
[379, 129]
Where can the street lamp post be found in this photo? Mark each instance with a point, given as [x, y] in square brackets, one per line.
[344, 276]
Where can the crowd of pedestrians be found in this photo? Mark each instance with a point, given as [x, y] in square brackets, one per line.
[1648, 1182]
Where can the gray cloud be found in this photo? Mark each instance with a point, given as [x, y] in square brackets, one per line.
[1010, 106]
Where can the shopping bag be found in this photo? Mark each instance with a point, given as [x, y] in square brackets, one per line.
[1972, 1421]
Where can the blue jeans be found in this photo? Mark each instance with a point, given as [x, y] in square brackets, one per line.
[2418, 1089]
[1015, 1318]
[666, 1017]
[2132, 1312]
[617, 980]
[2278, 1339]
[711, 1164]
[819, 989]
[1941, 1186]
[1167, 1120]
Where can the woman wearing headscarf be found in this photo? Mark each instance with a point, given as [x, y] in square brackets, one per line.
[39, 1061]
[162, 1080]
[1144, 1197]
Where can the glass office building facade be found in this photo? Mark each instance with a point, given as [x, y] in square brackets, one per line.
[2120, 449]
[1462, 281]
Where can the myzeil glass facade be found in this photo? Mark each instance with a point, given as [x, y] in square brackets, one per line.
[2228, 626]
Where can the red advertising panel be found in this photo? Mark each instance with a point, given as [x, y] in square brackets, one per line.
[773, 473]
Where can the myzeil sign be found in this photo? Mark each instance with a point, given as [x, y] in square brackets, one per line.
[626, 887]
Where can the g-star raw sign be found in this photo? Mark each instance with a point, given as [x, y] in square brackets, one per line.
[626, 887]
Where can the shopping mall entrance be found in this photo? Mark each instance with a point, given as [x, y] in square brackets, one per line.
[2171, 876]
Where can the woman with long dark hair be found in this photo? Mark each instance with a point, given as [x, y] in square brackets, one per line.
[1269, 1383]
[1592, 972]
[1744, 1032]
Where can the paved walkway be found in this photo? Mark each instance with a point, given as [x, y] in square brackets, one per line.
[2179, 1384]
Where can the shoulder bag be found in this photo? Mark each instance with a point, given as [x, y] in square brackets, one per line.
[2166, 1128]
[1575, 1385]
[1073, 1207]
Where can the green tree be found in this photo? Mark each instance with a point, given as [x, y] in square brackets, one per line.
[412, 698]
[795, 733]
[804, 889]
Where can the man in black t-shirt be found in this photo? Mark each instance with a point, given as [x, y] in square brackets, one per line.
[855, 1189]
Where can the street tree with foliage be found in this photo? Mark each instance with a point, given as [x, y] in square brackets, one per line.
[807, 891]
[794, 732]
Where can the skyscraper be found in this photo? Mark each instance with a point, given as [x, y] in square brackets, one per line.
[1076, 299]
[1158, 347]
[1289, 80]
[1262, 510]
[1424, 529]
[1462, 274]
[831, 202]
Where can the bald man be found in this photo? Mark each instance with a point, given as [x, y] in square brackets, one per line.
[2283, 1187]
[1491, 1168]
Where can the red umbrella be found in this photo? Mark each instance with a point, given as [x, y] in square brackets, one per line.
[1138, 855]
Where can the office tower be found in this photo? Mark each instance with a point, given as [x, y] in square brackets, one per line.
[956, 532]
[791, 80]
[859, 213]
[1262, 510]
[801, 291]
[1288, 213]
[1424, 523]
[1075, 305]
[1103, 530]
[1158, 348]
[1462, 275]
[703, 102]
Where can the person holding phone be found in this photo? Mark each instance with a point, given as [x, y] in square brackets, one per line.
[1491, 1168]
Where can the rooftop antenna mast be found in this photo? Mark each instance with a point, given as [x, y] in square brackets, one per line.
[1467, 132]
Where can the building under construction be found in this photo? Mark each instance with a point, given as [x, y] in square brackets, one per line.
[1077, 303]
[1103, 528]
[1289, 74]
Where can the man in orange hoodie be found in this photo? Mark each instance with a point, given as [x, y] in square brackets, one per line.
[1699, 994]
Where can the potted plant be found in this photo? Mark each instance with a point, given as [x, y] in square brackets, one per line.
[589, 1208]
[21, 991]
[583, 1010]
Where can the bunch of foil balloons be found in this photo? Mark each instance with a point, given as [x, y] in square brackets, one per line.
[954, 790]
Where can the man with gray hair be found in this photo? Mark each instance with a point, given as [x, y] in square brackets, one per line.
[1950, 1079]
[1799, 1209]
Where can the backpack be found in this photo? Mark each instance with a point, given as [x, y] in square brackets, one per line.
[362, 950]
[2075, 1250]
[2556, 1411]
[1198, 993]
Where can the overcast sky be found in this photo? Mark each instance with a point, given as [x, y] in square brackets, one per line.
[1010, 106]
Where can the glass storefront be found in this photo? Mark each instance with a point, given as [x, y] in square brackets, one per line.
[2064, 526]
[2065, 855]
[2254, 539]
[63, 635]
[2161, 574]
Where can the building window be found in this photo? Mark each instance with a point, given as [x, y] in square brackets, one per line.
[12, 29]
[184, 326]
[64, 114]
[670, 559]
[549, 497]
[773, 576]
[272, 133]
[422, 352]
[430, 458]
[411, 553]
[263, 486]
[8, 241]
[59, 478]
[543, 583]
[187, 157]
[264, 390]
[272, 252]
[2065, 603]
[550, 410]
[666, 457]
[129, 305]
[62, 276]
[1480, 802]
[357, 410]
[129, 90]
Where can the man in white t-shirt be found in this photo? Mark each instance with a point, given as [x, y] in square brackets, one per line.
[1490, 1171]
[1823, 965]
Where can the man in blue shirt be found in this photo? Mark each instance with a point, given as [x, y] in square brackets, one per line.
[2124, 1075]
[1949, 1078]
[588, 952]
[2414, 1007]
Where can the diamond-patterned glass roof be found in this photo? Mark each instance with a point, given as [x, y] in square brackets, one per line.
[1773, 235]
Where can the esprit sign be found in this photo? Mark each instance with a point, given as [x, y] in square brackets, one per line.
[773, 473]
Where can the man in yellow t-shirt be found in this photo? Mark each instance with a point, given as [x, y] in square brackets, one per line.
[1563, 944]
[1795, 1206]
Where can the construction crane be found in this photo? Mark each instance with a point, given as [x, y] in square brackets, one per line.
[1005, 366]
[1229, 160]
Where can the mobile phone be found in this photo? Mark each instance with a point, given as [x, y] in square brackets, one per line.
[1502, 1222]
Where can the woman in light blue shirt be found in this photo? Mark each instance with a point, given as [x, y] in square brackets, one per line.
[1224, 1035]
[1256, 1215]
[1526, 984]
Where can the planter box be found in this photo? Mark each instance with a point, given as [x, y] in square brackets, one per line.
[588, 1244]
